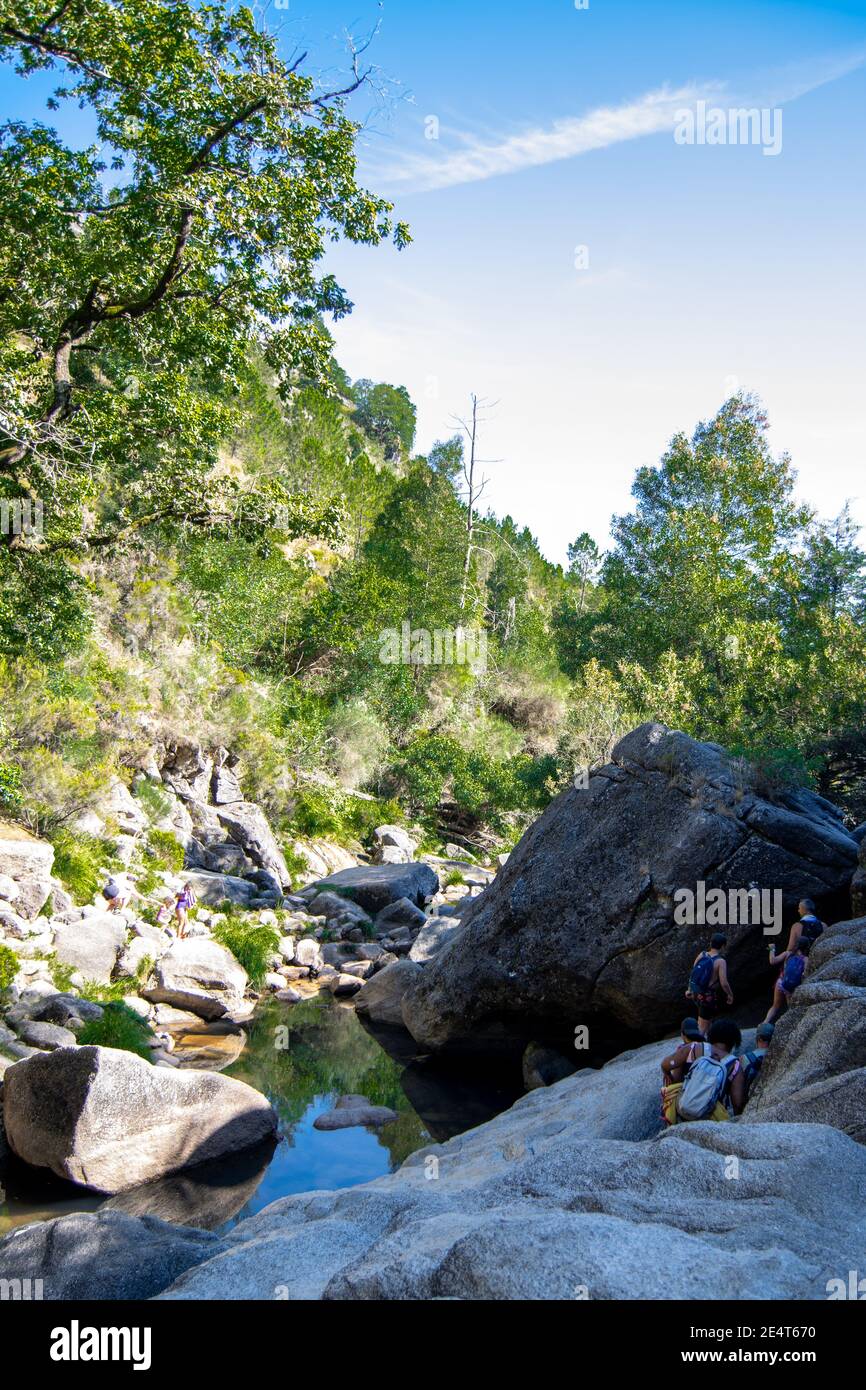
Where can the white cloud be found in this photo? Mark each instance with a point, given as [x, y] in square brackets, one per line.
[477, 159]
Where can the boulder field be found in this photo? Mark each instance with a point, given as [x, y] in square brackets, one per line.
[578, 927]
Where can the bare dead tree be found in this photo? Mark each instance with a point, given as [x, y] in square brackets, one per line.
[473, 484]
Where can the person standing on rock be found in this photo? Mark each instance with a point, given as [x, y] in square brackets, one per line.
[790, 977]
[808, 928]
[709, 979]
[184, 902]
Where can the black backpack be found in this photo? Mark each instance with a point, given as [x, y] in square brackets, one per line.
[811, 929]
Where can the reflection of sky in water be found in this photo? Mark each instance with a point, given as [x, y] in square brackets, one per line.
[319, 1159]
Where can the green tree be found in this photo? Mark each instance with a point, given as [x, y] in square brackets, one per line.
[388, 415]
[137, 275]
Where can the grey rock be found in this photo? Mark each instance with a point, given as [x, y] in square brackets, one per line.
[361, 1115]
[436, 933]
[578, 927]
[187, 769]
[91, 945]
[26, 862]
[402, 913]
[374, 886]
[815, 1070]
[108, 1120]
[46, 1035]
[200, 975]
[215, 889]
[225, 781]
[247, 825]
[544, 1066]
[106, 1255]
[381, 999]
[526, 1207]
[342, 985]
[63, 1009]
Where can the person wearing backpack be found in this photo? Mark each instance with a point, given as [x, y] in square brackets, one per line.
[808, 928]
[714, 1087]
[790, 977]
[113, 895]
[674, 1068]
[709, 977]
[753, 1061]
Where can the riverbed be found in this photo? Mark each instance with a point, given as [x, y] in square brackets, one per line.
[303, 1057]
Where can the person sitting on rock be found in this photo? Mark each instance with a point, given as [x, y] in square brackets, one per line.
[708, 979]
[674, 1068]
[714, 1087]
[753, 1061]
[113, 895]
[184, 902]
[793, 965]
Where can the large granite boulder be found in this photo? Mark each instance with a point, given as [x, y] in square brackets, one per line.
[109, 1120]
[109, 1255]
[578, 927]
[527, 1207]
[376, 886]
[25, 864]
[200, 975]
[816, 1067]
[90, 942]
[246, 824]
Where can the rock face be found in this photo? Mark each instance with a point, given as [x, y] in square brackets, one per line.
[858, 882]
[247, 826]
[578, 927]
[375, 886]
[109, 1120]
[199, 975]
[25, 864]
[105, 1256]
[816, 1067]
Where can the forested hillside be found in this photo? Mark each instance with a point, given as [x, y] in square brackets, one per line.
[229, 528]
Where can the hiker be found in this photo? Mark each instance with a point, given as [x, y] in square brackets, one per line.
[808, 928]
[714, 1087]
[793, 965]
[753, 1061]
[184, 902]
[673, 1066]
[165, 914]
[113, 895]
[710, 976]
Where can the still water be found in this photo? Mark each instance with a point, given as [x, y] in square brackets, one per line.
[303, 1057]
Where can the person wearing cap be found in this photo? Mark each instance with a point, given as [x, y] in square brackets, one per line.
[753, 1061]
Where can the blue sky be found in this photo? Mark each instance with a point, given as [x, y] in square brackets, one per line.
[708, 266]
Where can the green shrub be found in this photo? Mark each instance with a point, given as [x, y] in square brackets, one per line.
[251, 946]
[454, 878]
[80, 862]
[119, 1027]
[152, 797]
[10, 787]
[165, 849]
[8, 967]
